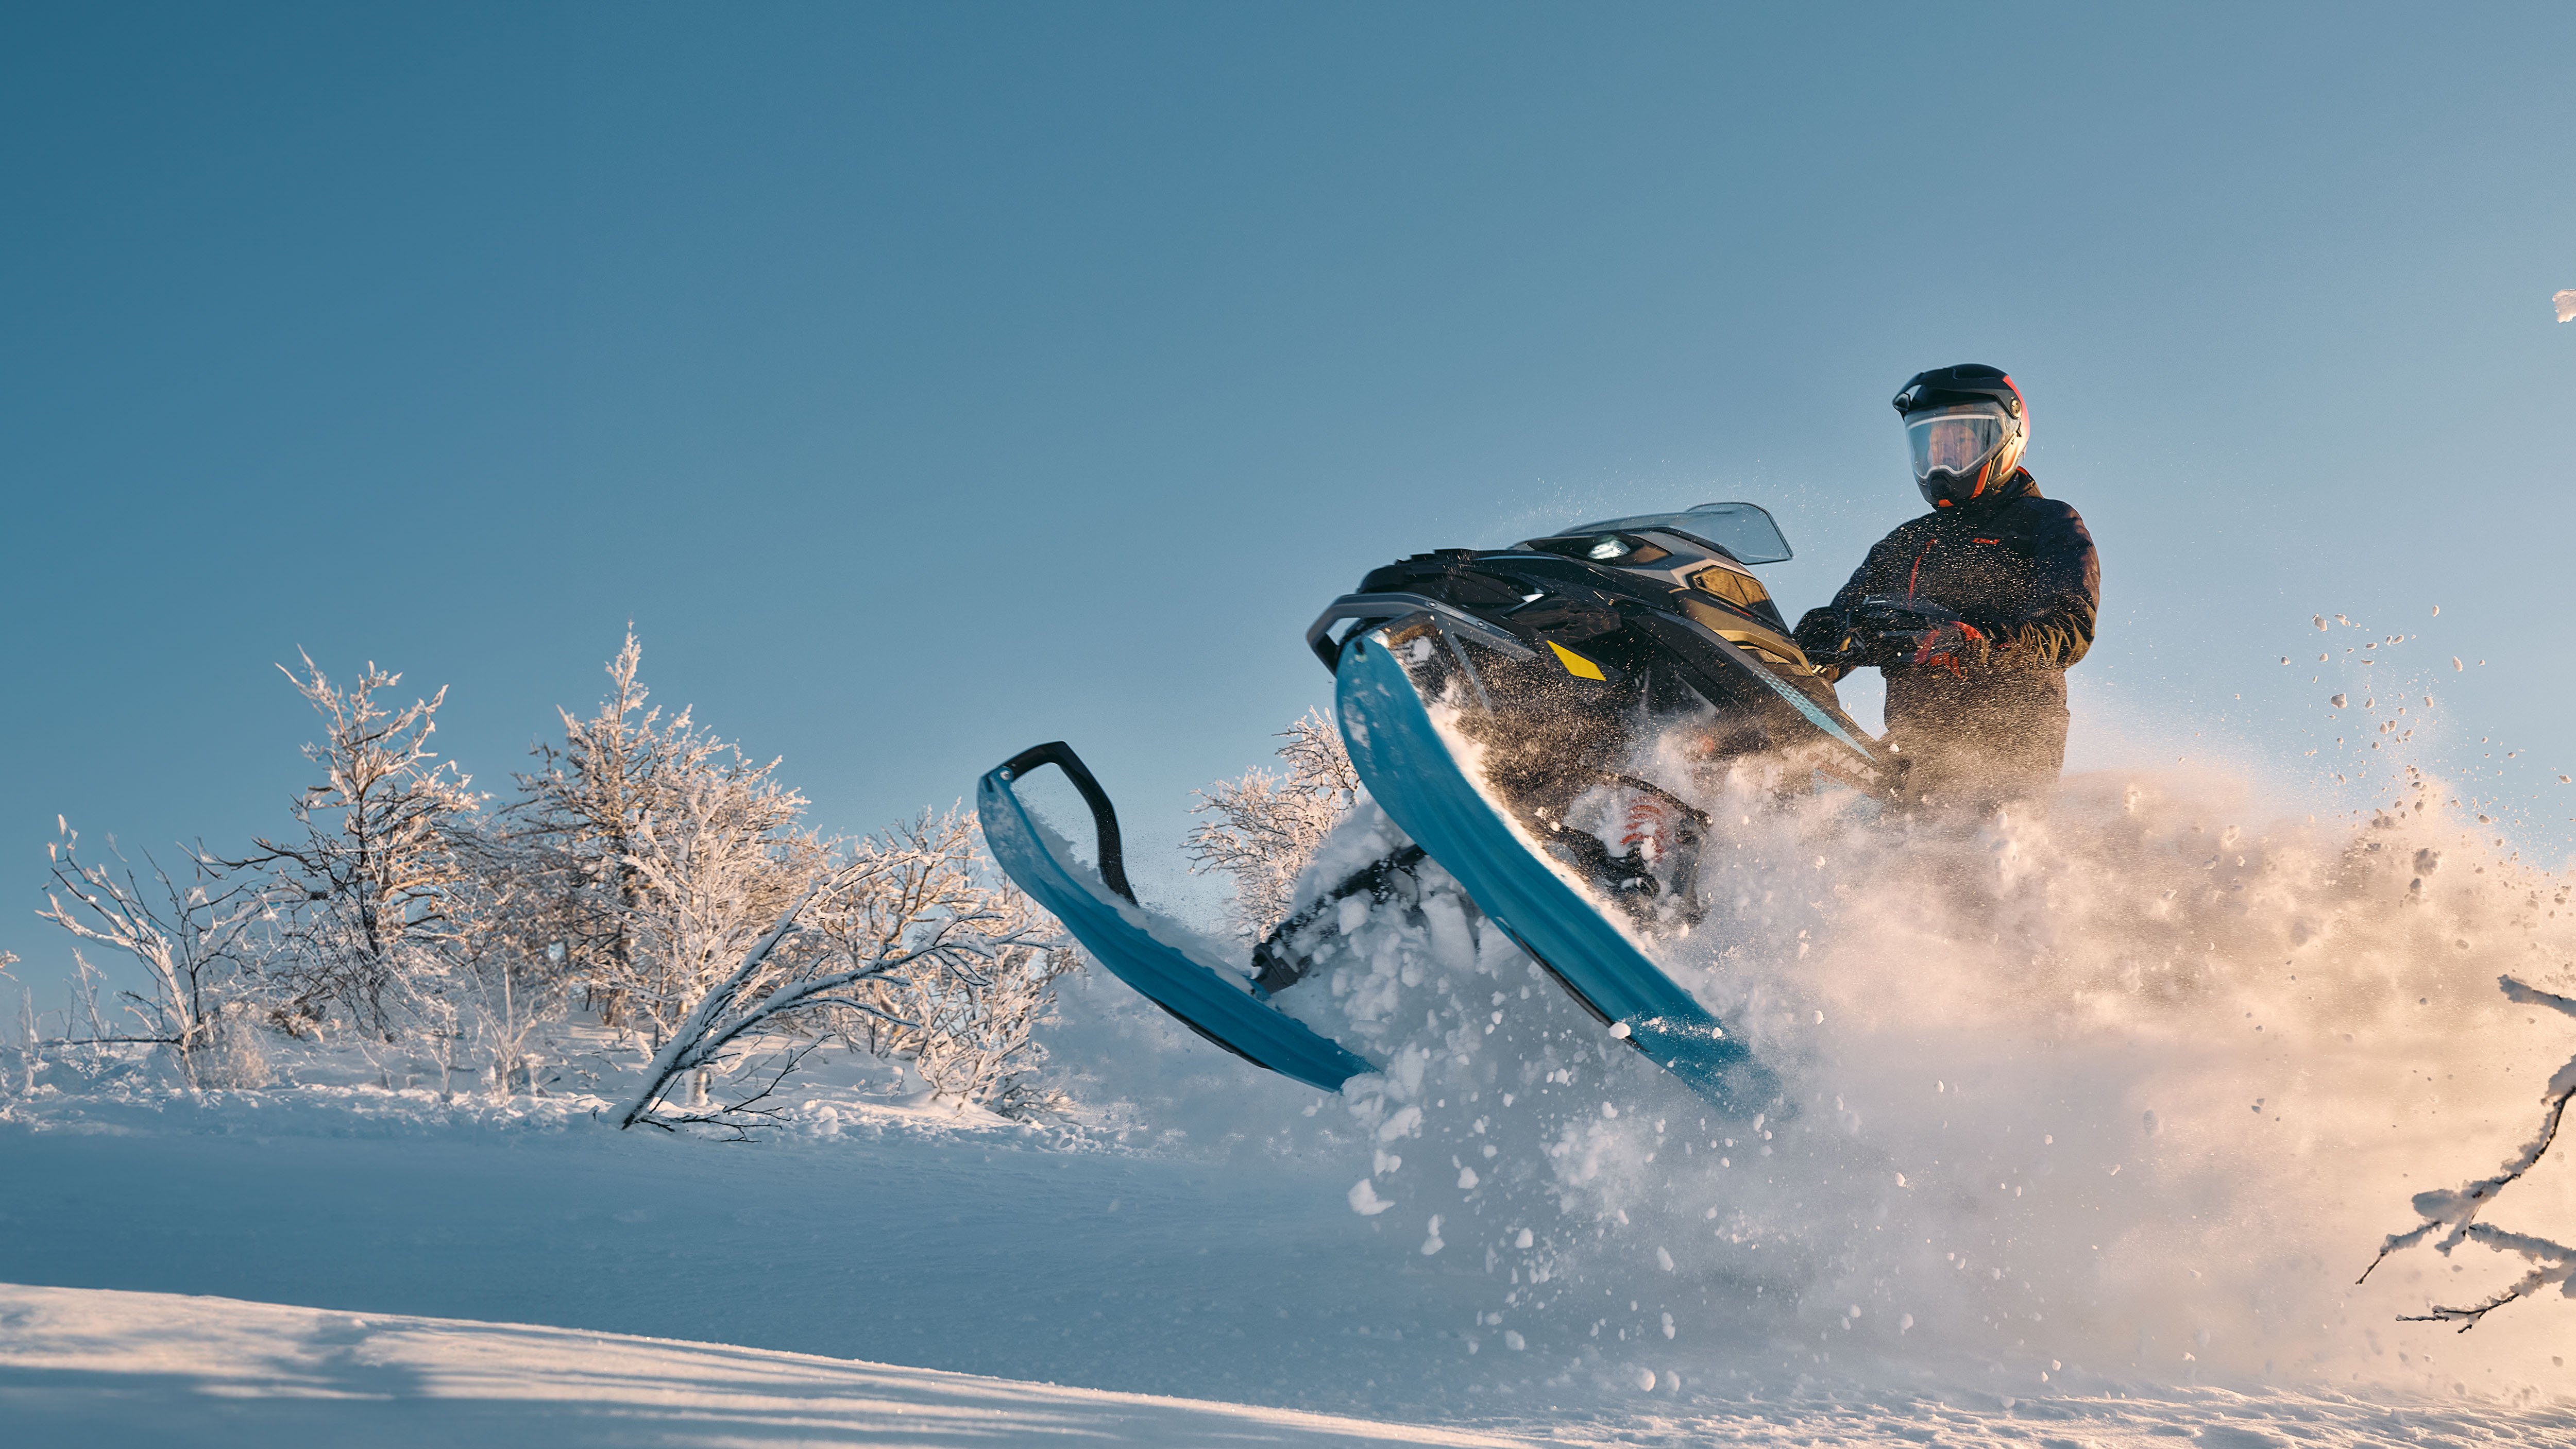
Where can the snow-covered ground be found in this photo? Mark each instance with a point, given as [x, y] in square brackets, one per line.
[95, 1367]
[424, 1241]
[2020, 1197]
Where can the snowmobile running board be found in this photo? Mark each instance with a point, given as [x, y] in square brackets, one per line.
[1410, 771]
[1204, 996]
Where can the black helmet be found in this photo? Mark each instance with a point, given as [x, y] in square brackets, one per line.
[1967, 426]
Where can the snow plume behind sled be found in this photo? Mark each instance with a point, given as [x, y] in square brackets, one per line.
[2129, 1090]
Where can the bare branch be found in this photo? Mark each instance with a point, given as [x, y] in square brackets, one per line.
[2457, 1209]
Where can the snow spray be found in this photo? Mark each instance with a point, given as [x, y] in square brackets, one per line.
[2130, 1087]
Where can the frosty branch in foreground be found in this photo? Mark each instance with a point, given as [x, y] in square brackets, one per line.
[2457, 1208]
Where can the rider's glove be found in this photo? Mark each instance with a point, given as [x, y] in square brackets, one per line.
[1945, 645]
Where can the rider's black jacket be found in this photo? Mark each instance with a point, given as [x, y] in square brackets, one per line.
[2022, 570]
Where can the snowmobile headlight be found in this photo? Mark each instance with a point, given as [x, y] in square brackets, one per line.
[1608, 547]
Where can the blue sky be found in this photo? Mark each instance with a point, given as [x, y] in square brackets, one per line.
[928, 381]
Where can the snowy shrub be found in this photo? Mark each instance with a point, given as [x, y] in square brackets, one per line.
[1265, 826]
[645, 863]
[194, 945]
[967, 1030]
[903, 929]
[374, 882]
[658, 853]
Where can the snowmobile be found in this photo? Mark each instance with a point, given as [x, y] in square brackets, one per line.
[1495, 703]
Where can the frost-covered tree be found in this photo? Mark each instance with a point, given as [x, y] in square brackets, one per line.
[1265, 826]
[968, 1029]
[717, 861]
[377, 869]
[579, 811]
[664, 850]
[191, 938]
[881, 928]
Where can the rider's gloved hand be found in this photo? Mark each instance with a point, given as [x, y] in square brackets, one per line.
[1945, 645]
[1823, 631]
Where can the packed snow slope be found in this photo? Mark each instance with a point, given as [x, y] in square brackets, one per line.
[101, 1369]
[105, 1370]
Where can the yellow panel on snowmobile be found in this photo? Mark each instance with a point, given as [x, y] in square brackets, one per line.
[1575, 664]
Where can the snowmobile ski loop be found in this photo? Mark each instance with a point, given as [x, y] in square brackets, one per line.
[1159, 959]
[1104, 816]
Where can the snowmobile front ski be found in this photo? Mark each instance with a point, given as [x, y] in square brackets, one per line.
[1102, 912]
[1411, 772]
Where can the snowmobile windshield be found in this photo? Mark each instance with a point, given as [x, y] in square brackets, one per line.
[1956, 440]
[1744, 532]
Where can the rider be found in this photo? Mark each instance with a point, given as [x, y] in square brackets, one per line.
[1975, 610]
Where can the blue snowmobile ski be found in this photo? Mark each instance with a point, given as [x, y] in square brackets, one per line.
[1207, 997]
[1412, 774]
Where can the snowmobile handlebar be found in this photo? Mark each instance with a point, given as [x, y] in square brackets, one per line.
[1104, 816]
[1880, 629]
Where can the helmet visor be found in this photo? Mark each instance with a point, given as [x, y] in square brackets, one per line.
[1957, 440]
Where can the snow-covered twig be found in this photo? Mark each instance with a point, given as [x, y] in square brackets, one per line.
[2457, 1208]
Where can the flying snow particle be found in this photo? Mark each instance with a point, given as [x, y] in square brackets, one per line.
[2456, 665]
[2563, 780]
[1432, 1244]
[1524, 1240]
[2337, 701]
[1365, 1201]
[1664, 1259]
[2566, 305]
[1513, 1340]
[2437, 611]
[2319, 620]
[1645, 1378]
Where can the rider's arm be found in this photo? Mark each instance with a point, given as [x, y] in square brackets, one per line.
[2066, 596]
